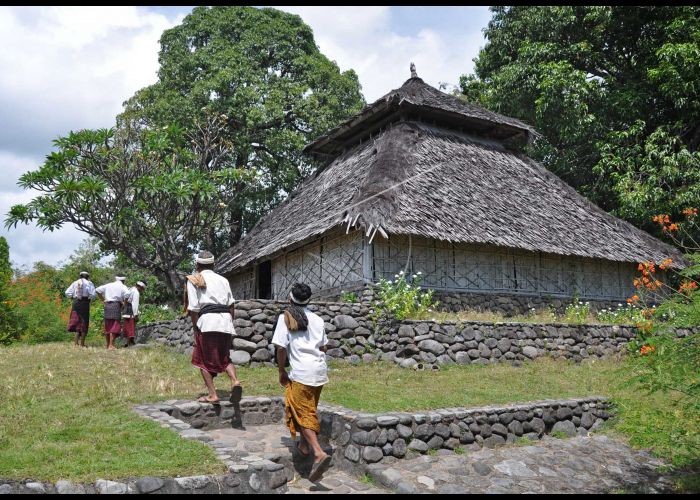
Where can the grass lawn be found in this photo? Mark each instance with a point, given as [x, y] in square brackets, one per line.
[65, 411]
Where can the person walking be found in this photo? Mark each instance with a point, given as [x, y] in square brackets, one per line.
[113, 294]
[130, 315]
[300, 336]
[210, 305]
[82, 292]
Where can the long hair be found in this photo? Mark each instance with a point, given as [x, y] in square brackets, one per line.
[294, 315]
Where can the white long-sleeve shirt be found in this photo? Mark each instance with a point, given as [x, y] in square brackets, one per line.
[81, 288]
[133, 298]
[307, 361]
[218, 291]
[115, 291]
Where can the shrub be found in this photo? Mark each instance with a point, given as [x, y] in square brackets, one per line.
[400, 300]
[9, 320]
[577, 312]
[350, 297]
[628, 314]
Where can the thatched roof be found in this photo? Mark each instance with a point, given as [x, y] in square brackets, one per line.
[416, 98]
[418, 179]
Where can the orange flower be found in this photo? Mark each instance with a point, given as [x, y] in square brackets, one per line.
[633, 299]
[665, 263]
[646, 349]
[647, 313]
[671, 228]
[690, 212]
[687, 287]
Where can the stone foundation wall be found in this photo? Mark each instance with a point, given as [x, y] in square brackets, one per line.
[412, 344]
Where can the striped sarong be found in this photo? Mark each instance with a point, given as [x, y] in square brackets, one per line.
[113, 310]
[79, 316]
[300, 403]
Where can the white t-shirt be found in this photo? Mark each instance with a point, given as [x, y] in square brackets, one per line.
[82, 285]
[134, 298]
[115, 291]
[218, 291]
[307, 362]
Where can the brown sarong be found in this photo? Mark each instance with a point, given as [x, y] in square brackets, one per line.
[211, 351]
[300, 403]
[113, 326]
[76, 323]
[129, 328]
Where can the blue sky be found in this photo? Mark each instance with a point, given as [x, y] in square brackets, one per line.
[68, 68]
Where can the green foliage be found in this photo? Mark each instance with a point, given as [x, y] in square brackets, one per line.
[263, 71]
[400, 299]
[613, 90]
[627, 314]
[577, 312]
[350, 297]
[9, 321]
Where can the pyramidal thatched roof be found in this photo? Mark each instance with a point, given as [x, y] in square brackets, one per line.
[424, 179]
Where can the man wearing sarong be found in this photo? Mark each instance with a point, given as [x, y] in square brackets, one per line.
[210, 306]
[300, 335]
[131, 312]
[113, 294]
[82, 292]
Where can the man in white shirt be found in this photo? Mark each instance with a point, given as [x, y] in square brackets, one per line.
[300, 334]
[210, 305]
[131, 312]
[113, 294]
[82, 291]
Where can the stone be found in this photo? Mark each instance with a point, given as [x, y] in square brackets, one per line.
[262, 355]
[399, 448]
[530, 352]
[68, 488]
[105, 487]
[431, 346]
[514, 468]
[244, 345]
[418, 445]
[564, 413]
[481, 468]
[408, 363]
[343, 321]
[427, 357]
[516, 427]
[254, 482]
[493, 441]
[240, 357]
[362, 438]
[485, 430]
[587, 420]
[188, 408]
[444, 359]
[424, 431]
[462, 358]
[381, 438]
[535, 425]
[499, 429]
[5, 489]
[565, 426]
[435, 443]
[404, 431]
[466, 437]
[387, 420]
[389, 477]
[505, 418]
[372, 454]
[387, 449]
[35, 487]
[366, 423]
[426, 481]
[193, 482]
[451, 443]
[406, 331]
[352, 453]
[149, 484]
[443, 431]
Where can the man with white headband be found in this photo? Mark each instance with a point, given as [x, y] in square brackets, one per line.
[82, 291]
[210, 305]
[114, 295]
[300, 334]
[131, 312]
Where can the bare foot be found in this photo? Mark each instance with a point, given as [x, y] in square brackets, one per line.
[206, 399]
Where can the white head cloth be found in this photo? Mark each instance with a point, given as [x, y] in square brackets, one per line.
[120, 278]
[297, 301]
[141, 284]
[205, 257]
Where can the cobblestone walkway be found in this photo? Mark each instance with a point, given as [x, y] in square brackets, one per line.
[273, 443]
[594, 464]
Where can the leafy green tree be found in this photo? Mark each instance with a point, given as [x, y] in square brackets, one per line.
[9, 330]
[262, 70]
[615, 92]
[150, 194]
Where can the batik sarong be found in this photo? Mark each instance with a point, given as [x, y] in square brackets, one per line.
[79, 321]
[300, 403]
[113, 315]
[129, 328]
[211, 351]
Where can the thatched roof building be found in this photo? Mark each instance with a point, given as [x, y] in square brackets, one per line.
[422, 181]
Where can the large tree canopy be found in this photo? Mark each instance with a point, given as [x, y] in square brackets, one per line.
[262, 69]
[198, 157]
[613, 90]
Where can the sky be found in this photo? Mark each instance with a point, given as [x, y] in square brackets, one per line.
[70, 68]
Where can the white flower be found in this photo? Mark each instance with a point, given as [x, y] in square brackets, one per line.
[400, 272]
[419, 272]
[396, 276]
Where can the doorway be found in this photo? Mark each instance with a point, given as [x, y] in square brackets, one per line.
[264, 279]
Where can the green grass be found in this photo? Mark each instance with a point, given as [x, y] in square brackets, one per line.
[367, 479]
[66, 414]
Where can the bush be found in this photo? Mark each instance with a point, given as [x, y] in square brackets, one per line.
[9, 319]
[628, 314]
[350, 297]
[400, 300]
[577, 312]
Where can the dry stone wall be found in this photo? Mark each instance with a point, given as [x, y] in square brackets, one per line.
[412, 344]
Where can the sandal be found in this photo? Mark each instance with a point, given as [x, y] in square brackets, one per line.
[205, 399]
[319, 468]
[305, 455]
[236, 393]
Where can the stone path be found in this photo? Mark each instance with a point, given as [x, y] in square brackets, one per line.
[272, 442]
[592, 464]
[595, 464]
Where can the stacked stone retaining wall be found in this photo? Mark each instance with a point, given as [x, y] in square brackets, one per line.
[412, 344]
